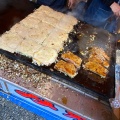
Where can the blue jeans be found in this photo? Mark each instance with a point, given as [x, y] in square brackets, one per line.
[96, 14]
[100, 15]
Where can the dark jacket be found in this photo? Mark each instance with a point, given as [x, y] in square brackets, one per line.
[106, 2]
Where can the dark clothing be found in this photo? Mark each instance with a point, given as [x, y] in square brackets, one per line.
[58, 5]
[97, 13]
[109, 2]
[105, 2]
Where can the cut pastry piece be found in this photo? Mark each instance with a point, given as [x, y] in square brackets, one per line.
[50, 20]
[45, 56]
[3, 46]
[56, 15]
[20, 30]
[70, 19]
[67, 27]
[56, 39]
[70, 57]
[66, 68]
[37, 15]
[96, 68]
[45, 17]
[100, 52]
[53, 43]
[47, 11]
[28, 48]
[67, 23]
[38, 38]
[44, 8]
[97, 58]
[30, 22]
[44, 27]
[60, 34]
[12, 40]
[39, 34]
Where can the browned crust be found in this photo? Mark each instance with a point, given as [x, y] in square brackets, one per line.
[100, 52]
[67, 68]
[99, 60]
[96, 68]
[70, 57]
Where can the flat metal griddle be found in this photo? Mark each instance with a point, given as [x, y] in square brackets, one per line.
[86, 81]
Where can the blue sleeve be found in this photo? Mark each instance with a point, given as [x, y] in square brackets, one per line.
[109, 2]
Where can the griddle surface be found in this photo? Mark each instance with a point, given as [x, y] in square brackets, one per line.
[102, 88]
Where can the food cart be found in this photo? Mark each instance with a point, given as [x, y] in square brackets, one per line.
[53, 95]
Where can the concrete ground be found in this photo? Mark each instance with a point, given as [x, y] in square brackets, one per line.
[10, 111]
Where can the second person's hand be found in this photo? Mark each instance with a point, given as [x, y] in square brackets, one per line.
[71, 3]
[115, 8]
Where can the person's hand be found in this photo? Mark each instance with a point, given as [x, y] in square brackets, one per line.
[71, 3]
[115, 8]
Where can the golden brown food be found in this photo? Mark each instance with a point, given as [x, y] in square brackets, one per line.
[96, 68]
[66, 68]
[99, 60]
[100, 52]
[70, 57]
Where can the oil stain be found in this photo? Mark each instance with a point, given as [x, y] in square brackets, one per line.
[64, 100]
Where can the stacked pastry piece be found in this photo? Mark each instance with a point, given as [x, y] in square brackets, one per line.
[98, 62]
[70, 64]
[41, 35]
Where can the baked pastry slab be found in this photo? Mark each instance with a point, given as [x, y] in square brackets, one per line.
[45, 56]
[40, 35]
[66, 68]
